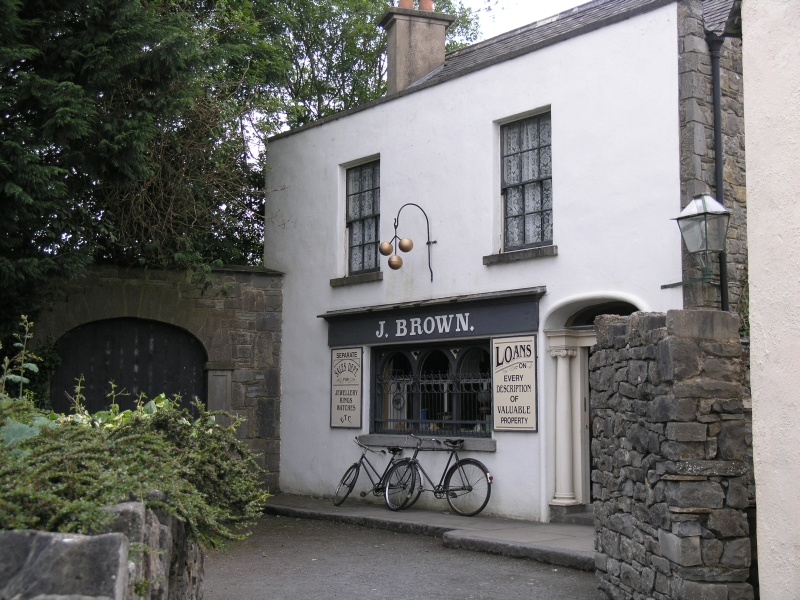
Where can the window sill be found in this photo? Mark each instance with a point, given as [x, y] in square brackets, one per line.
[356, 279]
[404, 441]
[515, 255]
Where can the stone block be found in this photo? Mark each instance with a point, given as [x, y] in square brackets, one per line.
[694, 494]
[35, 563]
[129, 519]
[609, 543]
[708, 468]
[660, 564]
[732, 349]
[728, 523]
[640, 323]
[268, 321]
[613, 567]
[713, 325]
[732, 441]
[712, 574]
[600, 561]
[720, 368]
[740, 591]
[662, 584]
[686, 432]
[629, 576]
[686, 528]
[627, 390]
[267, 423]
[707, 388]
[642, 439]
[648, 580]
[660, 516]
[602, 379]
[678, 358]
[630, 550]
[693, 590]
[737, 496]
[712, 552]
[637, 372]
[681, 551]
[678, 451]
[736, 553]
[669, 408]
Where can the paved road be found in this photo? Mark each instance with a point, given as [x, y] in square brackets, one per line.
[299, 559]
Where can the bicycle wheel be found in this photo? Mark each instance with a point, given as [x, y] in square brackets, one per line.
[468, 486]
[346, 484]
[413, 497]
[400, 482]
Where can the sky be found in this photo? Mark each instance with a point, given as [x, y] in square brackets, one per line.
[510, 14]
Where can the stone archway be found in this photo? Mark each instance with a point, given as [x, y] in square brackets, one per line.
[569, 331]
[140, 356]
[236, 318]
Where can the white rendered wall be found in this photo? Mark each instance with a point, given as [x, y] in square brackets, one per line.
[613, 94]
[772, 118]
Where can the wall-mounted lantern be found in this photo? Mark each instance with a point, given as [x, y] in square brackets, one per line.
[704, 229]
[404, 244]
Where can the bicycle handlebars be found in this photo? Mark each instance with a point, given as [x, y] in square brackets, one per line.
[357, 441]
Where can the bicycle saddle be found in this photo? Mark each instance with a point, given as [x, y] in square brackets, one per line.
[454, 443]
[395, 450]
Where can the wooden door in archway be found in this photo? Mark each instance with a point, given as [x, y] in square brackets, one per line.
[138, 355]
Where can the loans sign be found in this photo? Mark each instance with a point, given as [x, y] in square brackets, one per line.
[346, 387]
[514, 383]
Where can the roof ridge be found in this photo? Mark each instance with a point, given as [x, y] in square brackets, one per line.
[528, 38]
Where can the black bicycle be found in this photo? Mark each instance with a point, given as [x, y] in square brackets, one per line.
[465, 482]
[348, 481]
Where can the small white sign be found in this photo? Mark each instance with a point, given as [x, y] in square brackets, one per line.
[346, 387]
[514, 383]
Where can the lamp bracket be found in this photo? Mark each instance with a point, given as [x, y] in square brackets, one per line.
[428, 225]
[690, 281]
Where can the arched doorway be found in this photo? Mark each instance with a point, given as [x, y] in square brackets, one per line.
[140, 356]
[570, 333]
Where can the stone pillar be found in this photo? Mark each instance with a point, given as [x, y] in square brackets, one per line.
[565, 491]
[672, 456]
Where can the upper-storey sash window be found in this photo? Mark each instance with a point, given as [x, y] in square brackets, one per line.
[363, 217]
[527, 183]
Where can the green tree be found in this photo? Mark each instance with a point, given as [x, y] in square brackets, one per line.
[336, 54]
[124, 136]
[128, 125]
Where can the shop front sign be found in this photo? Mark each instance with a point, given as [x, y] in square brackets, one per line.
[514, 383]
[346, 387]
[506, 313]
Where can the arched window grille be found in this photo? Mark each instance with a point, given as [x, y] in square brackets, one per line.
[437, 390]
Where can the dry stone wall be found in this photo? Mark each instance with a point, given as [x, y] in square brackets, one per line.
[145, 556]
[672, 471]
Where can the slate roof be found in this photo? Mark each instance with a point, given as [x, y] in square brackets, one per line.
[722, 16]
[570, 23]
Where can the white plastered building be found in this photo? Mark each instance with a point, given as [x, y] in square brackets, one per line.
[537, 174]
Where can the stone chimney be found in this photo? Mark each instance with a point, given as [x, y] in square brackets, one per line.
[415, 42]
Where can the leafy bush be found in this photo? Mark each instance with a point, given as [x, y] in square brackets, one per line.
[57, 472]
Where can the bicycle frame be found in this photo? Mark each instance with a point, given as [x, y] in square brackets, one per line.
[376, 478]
[453, 458]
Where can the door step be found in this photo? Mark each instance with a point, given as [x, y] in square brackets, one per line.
[579, 514]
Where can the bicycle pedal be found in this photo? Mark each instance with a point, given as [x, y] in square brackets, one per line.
[363, 494]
